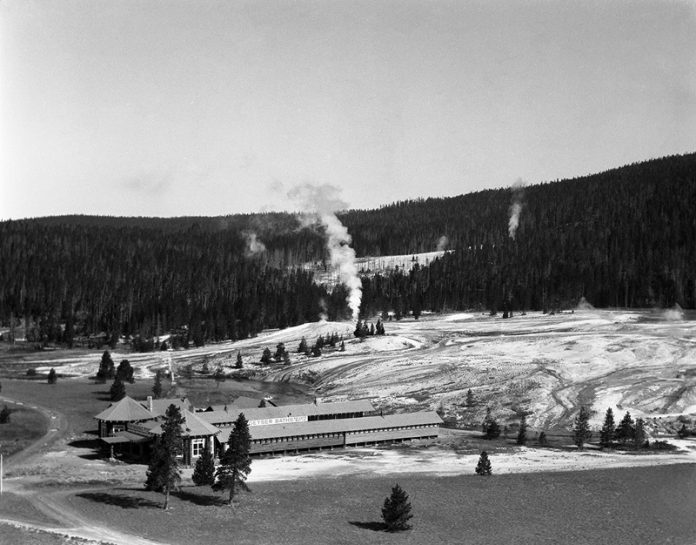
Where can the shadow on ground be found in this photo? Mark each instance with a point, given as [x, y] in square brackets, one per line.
[200, 499]
[374, 526]
[124, 501]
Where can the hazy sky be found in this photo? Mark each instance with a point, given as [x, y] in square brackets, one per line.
[201, 107]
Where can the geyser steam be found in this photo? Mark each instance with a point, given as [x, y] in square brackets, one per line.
[320, 203]
[515, 207]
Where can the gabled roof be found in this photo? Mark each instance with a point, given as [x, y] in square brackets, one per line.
[307, 409]
[126, 410]
[339, 425]
[193, 426]
[160, 406]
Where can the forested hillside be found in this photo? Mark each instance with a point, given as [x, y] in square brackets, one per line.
[625, 237]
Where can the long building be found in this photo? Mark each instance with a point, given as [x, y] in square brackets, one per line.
[129, 427]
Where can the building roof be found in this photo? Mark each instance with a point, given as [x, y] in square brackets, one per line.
[125, 437]
[126, 410]
[307, 409]
[339, 425]
[160, 406]
[193, 426]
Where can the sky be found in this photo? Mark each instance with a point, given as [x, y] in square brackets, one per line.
[213, 107]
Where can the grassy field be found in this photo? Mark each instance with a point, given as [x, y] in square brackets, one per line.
[649, 506]
[78, 399]
[25, 426]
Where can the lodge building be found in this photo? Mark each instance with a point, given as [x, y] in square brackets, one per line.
[128, 427]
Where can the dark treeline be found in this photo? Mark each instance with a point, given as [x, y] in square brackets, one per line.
[625, 237]
[145, 281]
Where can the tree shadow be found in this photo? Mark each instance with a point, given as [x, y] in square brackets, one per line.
[120, 500]
[374, 526]
[200, 499]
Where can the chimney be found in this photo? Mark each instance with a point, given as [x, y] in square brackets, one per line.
[149, 404]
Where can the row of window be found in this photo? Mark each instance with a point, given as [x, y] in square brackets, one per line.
[333, 435]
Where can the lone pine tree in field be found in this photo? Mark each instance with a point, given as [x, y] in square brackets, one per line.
[522, 434]
[117, 390]
[235, 463]
[163, 474]
[483, 467]
[581, 428]
[239, 363]
[52, 378]
[396, 511]
[606, 435]
[204, 471]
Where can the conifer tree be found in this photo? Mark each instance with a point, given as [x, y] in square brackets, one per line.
[157, 387]
[239, 363]
[342, 347]
[639, 433]
[522, 433]
[52, 378]
[163, 474]
[118, 390]
[625, 430]
[396, 511]
[581, 428]
[125, 372]
[204, 470]
[606, 436]
[483, 467]
[302, 348]
[106, 368]
[235, 463]
[470, 401]
[5, 415]
[542, 440]
[286, 358]
[266, 356]
[491, 429]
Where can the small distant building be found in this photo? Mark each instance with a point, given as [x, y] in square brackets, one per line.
[129, 427]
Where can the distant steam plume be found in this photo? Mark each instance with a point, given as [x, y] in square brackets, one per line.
[674, 314]
[320, 202]
[442, 243]
[253, 245]
[515, 207]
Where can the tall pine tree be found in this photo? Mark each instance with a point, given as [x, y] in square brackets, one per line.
[235, 462]
[163, 474]
[581, 428]
[606, 436]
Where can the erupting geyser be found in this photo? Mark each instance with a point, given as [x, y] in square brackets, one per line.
[323, 201]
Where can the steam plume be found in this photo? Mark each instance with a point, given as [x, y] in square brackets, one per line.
[320, 202]
[253, 244]
[442, 243]
[515, 207]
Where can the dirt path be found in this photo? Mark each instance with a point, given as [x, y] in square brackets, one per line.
[58, 428]
[69, 522]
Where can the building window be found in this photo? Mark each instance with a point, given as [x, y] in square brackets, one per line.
[197, 447]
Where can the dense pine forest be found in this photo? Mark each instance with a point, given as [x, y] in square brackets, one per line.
[625, 237]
